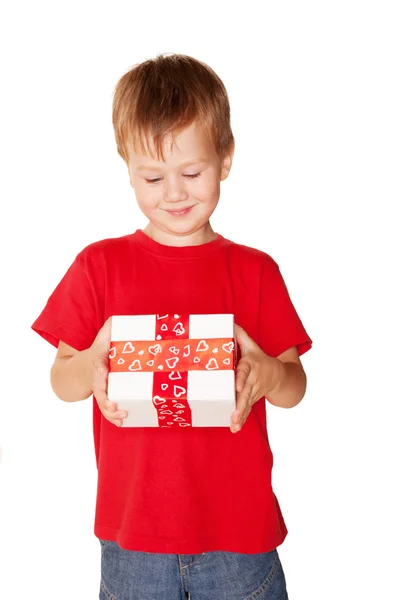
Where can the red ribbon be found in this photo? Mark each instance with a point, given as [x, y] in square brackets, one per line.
[170, 357]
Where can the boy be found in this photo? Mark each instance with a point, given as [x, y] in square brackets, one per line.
[189, 512]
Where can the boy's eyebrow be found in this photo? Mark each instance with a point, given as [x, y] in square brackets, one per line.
[184, 164]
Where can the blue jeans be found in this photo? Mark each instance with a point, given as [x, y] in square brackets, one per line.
[129, 575]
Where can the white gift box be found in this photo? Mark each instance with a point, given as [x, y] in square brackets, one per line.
[173, 370]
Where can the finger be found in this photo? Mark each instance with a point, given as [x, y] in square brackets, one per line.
[240, 404]
[242, 372]
[243, 406]
[235, 427]
[245, 342]
[107, 325]
[104, 334]
[108, 408]
[101, 366]
[254, 396]
[101, 376]
[243, 399]
[240, 332]
[241, 337]
[100, 382]
[115, 416]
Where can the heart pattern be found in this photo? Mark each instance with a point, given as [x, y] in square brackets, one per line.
[158, 400]
[179, 329]
[176, 355]
[128, 348]
[179, 391]
[174, 375]
[202, 346]
[155, 349]
[135, 365]
[228, 347]
[212, 364]
[170, 357]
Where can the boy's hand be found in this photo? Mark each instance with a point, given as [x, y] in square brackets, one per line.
[256, 376]
[100, 350]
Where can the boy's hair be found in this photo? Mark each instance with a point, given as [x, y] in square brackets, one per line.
[166, 94]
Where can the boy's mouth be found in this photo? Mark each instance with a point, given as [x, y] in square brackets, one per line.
[181, 212]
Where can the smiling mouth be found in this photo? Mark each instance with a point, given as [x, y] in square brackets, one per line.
[182, 211]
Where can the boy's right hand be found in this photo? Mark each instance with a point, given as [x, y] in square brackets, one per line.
[100, 350]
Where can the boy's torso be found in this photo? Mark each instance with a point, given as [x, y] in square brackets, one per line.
[206, 477]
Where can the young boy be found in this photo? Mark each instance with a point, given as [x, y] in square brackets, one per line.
[189, 512]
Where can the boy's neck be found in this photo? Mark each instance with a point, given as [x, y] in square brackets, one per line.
[201, 236]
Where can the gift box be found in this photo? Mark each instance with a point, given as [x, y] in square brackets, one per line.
[173, 370]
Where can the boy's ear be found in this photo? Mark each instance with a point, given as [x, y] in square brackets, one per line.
[227, 162]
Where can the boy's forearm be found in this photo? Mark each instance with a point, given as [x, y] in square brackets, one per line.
[72, 376]
[290, 387]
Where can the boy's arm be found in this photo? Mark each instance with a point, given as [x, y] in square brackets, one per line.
[71, 374]
[290, 380]
[75, 375]
[282, 380]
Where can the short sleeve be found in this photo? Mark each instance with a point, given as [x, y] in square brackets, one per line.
[70, 312]
[280, 325]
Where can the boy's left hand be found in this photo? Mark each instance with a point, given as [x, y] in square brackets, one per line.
[256, 375]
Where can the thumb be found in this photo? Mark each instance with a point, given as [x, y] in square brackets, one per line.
[101, 364]
[244, 340]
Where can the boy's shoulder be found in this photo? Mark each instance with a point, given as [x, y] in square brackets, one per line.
[105, 248]
[252, 255]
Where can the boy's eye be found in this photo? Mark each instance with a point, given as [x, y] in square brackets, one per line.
[159, 178]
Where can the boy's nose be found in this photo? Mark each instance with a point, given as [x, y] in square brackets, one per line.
[175, 193]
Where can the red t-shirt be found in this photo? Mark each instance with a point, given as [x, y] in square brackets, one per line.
[196, 489]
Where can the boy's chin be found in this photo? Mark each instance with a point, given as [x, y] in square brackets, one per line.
[181, 228]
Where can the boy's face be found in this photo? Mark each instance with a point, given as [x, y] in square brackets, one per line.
[179, 195]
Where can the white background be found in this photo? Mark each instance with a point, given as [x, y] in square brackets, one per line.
[314, 91]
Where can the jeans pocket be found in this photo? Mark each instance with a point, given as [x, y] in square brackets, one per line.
[265, 585]
[104, 593]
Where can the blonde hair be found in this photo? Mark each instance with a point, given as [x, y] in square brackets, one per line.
[166, 94]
